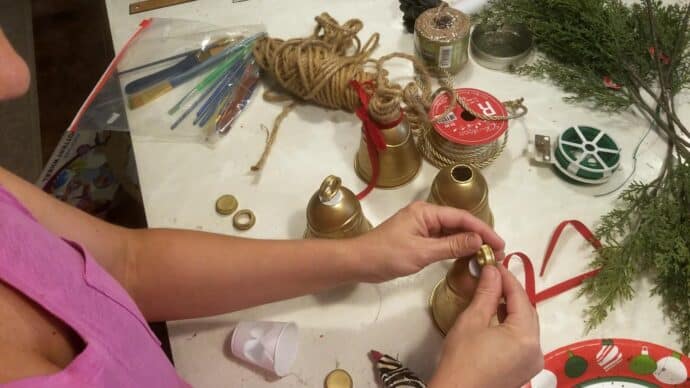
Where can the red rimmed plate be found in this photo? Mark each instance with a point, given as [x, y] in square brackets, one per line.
[613, 363]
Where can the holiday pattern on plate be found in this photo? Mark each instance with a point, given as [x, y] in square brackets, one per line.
[613, 363]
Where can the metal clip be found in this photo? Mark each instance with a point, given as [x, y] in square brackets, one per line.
[542, 145]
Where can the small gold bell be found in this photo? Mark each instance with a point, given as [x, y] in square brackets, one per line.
[398, 163]
[454, 293]
[335, 212]
[463, 187]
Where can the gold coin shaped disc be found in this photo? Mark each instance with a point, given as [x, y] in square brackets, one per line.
[226, 204]
[338, 379]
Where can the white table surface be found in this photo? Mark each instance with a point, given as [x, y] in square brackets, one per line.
[180, 182]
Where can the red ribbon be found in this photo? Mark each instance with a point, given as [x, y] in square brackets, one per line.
[529, 274]
[372, 133]
[608, 82]
[565, 285]
[663, 57]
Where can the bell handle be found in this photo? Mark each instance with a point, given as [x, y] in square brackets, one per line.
[329, 188]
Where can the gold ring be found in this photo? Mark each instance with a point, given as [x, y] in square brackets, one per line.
[243, 219]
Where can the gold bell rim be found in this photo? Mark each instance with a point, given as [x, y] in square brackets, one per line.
[434, 295]
[397, 183]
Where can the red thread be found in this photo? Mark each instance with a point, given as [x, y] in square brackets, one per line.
[372, 133]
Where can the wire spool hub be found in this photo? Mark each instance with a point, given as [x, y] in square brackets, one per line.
[586, 154]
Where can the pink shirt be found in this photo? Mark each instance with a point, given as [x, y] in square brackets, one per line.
[121, 351]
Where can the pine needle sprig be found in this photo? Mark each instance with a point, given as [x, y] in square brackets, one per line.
[611, 57]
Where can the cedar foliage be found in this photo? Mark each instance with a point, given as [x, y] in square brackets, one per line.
[644, 49]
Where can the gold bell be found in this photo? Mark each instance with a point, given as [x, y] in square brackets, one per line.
[453, 294]
[462, 186]
[335, 212]
[398, 163]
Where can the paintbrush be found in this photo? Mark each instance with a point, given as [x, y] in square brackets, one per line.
[243, 90]
[151, 93]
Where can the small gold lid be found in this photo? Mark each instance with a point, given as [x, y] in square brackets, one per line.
[333, 208]
[338, 378]
[226, 204]
[462, 186]
[485, 256]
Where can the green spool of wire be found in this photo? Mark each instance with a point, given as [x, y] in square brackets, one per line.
[586, 155]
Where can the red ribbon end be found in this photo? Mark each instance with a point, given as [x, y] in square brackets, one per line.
[375, 356]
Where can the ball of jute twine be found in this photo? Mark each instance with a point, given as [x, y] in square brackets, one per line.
[319, 68]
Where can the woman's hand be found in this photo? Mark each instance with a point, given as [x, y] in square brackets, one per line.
[418, 235]
[478, 354]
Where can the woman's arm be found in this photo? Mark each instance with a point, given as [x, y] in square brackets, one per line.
[174, 274]
[183, 274]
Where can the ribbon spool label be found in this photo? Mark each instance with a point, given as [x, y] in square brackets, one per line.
[462, 127]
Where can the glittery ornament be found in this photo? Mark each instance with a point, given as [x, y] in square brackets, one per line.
[642, 364]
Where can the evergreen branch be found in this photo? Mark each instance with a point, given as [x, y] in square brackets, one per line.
[641, 47]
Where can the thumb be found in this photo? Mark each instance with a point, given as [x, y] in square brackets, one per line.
[458, 245]
[487, 296]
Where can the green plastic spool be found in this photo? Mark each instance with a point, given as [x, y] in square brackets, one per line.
[587, 155]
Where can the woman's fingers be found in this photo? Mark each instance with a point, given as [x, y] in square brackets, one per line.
[520, 311]
[486, 298]
[455, 219]
[457, 245]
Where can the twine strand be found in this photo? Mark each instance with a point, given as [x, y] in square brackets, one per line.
[320, 68]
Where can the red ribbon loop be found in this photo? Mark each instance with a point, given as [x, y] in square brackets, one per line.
[580, 227]
[372, 133]
[565, 285]
[529, 274]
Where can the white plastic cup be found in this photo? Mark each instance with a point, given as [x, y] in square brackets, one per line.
[269, 345]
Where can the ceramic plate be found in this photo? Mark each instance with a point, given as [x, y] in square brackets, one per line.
[613, 363]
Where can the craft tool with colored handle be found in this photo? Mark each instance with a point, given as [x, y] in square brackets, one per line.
[217, 96]
[160, 88]
[243, 91]
[208, 81]
[191, 59]
[224, 78]
[214, 103]
[215, 47]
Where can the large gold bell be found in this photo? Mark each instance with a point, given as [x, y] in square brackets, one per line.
[463, 187]
[453, 294]
[398, 163]
[335, 212]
